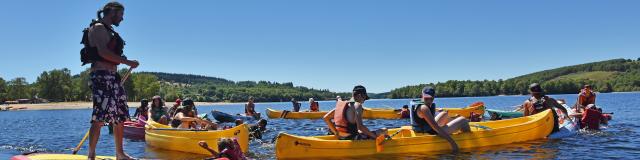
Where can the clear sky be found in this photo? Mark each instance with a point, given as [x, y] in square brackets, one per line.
[329, 44]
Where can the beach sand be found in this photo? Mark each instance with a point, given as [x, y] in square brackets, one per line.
[79, 105]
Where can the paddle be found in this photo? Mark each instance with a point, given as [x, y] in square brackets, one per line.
[381, 139]
[124, 79]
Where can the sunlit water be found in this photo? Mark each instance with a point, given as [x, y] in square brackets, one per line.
[60, 130]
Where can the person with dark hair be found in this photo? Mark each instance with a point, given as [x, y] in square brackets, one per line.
[250, 109]
[104, 50]
[158, 112]
[347, 118]
[186, 118]
[539, 102]
[585, 97]
[404, 112]
[256, 130]
[228, 149]
[295, 104]
[143, 109]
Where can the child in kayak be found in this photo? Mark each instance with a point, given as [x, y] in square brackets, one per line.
[186, 118]
[143, 109]
[229, 149]
[404, 112]
[347, 117]
[157, 111]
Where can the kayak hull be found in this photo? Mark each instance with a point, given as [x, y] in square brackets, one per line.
[165, 137]
[374, 113]
[228, 118]
[407, 141]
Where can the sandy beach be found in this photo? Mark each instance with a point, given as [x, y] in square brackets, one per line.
[79, 105]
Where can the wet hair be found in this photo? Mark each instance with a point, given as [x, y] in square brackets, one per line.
[225, 143]
[262, 122]
[405, 106]
[110, 7]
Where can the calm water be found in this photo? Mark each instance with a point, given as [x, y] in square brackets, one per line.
[60, 130]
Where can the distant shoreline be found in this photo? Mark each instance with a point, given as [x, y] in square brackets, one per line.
[81, 105]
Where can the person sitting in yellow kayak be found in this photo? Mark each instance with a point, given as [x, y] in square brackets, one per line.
[157, 111]
[313, 106]
[424, 119]
[229, 149]
[539, 102]
[347, 117]
[404, 112]
[185, 118]
[295, 104]
[250, 109]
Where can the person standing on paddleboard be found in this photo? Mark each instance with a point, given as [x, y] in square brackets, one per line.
[104, 51]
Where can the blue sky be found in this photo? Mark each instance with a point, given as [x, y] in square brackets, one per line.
[329, 44]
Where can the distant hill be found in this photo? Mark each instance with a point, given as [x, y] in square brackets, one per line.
[616, 75]
[204, 88]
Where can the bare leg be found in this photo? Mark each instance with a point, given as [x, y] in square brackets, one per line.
[94, 135]
[442, 118]
[459, 123]
[117, 136]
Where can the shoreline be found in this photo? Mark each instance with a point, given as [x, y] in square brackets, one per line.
[79, 105]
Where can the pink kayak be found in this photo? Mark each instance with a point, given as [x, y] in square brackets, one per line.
[133, 130]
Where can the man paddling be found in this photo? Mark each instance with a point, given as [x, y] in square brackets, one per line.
[539, 102]
[347, 117]
[426, 121]
[104, 51]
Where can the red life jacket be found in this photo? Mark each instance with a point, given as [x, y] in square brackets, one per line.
[315, 107]
[591, 119]
[340, 119]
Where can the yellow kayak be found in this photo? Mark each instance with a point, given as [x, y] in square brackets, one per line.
[164, 137]
[376, 113]
[38, 156]
[483, 134]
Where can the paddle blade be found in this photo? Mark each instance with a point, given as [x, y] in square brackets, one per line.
[379, 141]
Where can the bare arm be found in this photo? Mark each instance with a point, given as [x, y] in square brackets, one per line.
[426, 114]
[359, 123]
[327, 119]
[525, 107]
[101, 37]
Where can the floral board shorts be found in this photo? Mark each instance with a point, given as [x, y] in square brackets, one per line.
[109, 98]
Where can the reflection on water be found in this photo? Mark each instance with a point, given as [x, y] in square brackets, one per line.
[60, 130]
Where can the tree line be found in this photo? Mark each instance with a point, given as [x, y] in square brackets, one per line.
[59, 85]
[625, 77]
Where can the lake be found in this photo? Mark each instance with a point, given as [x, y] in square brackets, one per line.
[60, 131]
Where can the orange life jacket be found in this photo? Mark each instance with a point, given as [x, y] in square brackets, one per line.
[340, 119]
[315, 107]
[584, 99]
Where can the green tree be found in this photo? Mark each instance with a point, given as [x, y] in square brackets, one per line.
[18, 88]
[145, 86]
[3, 90]
[55, 85]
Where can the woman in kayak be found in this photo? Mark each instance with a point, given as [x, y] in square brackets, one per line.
[424, 120]
[157, 111]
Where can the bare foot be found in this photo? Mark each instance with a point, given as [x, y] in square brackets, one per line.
[91, 155]
[124, 156]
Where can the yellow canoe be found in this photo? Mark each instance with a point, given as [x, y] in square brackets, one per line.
[376, 113]
[485, 134]
[164, 137]
[38, 156]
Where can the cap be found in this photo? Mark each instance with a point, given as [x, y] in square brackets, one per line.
[359, 89]
[178, 101]
[535, 88]
[187, 102]
[428, 91]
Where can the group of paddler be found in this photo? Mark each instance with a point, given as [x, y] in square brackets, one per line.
[104, 51]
